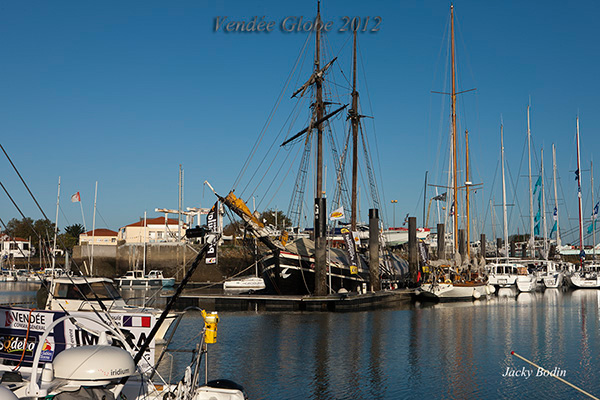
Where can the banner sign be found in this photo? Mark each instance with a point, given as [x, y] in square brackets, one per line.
[21, 329]
[213, 225]
[350, 247]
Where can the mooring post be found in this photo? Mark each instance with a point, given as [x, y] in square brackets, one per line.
[441, 242]
[413, 261]
[320, 247]
[513, 249]
[524, 250]
[498, 246]
[374, 249]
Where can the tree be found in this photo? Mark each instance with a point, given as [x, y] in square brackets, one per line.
[70, 238]
[27, 228]
[74, 230]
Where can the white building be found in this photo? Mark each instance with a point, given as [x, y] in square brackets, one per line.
[157, 230]
[99, 237]
[14, 247]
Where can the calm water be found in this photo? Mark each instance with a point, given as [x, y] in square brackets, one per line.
[449, 351]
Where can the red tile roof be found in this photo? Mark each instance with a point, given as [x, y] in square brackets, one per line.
[101, 232]
[156, 221]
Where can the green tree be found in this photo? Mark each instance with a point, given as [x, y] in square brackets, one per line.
[74, 230]
[70, 237]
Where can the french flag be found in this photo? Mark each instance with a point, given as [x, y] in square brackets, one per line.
[138, 322]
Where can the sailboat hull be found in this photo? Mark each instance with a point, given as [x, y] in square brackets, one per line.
[449, 291]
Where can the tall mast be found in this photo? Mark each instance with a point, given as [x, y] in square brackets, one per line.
[56, 227]
[544, 210]
[355, 119]
[532, 234]
[504, 192]
[593, 215]
[454, 166]
[319, 106]
[555, 195]
[579, 197]
[467, 184]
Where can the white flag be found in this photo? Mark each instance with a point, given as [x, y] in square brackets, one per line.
[337, 214]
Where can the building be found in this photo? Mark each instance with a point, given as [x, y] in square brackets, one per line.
[99, 237]
[159, 229]
[14, 247]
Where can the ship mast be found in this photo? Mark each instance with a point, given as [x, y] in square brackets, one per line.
[454, 166]
[504, 192]
[532, 233]
[319, 106]
[555, 196]
[354, 117]
[544, 210]
[582, 253]
[593, 211]
[467, 185]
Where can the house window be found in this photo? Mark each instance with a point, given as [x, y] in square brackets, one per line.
[13, 246]
[25, 246]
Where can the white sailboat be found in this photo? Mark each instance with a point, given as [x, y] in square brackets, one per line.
[446, 282]
[503, 274]
[588, 275]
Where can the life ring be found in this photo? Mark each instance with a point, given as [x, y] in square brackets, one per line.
[169, 396]
[447, 281]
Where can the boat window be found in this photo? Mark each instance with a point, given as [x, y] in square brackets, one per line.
[101, 290]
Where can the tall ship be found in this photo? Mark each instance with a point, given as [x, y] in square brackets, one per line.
[310, 265]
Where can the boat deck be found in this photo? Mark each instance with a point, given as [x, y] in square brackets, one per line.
[263, 302]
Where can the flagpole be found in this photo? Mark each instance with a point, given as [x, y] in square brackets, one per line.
[82, 216]
[582, 252]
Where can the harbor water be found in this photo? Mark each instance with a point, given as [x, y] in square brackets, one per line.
[456, 350]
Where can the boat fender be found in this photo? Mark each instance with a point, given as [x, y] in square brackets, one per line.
[476, 294]
[448, 281]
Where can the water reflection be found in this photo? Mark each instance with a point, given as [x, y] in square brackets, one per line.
[446, 350]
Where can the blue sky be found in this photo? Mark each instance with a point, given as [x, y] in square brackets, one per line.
[123, 92]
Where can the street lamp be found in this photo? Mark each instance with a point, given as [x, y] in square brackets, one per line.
[394, 202]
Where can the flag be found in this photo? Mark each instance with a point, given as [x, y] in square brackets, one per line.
[213, 226]
[555, 214]
[538, 183]
[595, 213]
[337, 214]
[577, 175]
[536, 229]
[537, 217]
[405, 220]
[75, 198]
[592, 226]
[441, 197]
[452, 210]
[351, 250]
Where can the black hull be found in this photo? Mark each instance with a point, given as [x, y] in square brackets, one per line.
[290, 274]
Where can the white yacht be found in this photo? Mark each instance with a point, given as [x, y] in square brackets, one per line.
[83, 294]
[503, 274]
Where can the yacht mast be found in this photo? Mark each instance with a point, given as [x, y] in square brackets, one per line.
[355, 120]
[582, 253]
[504, 192]
[532, 234]
[454, 168]
[544, 210]
[555, 195]
[467, 185]
[55, 227]
[593, 211]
